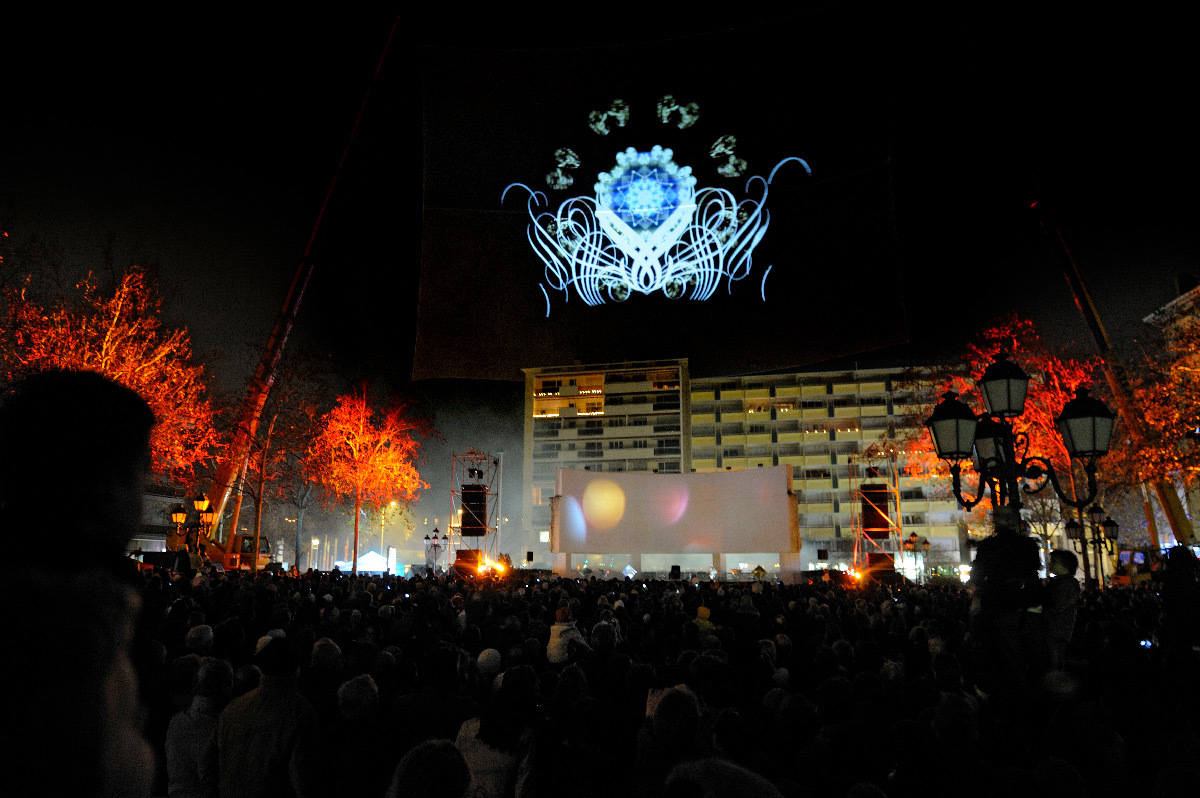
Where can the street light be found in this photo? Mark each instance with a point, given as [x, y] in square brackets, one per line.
[312, 554]
[204, 510]
[910, 547]
[1085, 424]
[1103, 538]
[178, 518]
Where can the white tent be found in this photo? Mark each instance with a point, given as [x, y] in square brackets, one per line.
[372, 562]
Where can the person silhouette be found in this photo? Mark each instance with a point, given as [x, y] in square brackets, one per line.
[79, 437]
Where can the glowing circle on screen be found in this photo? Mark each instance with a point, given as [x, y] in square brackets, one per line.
[603, 504]
[574, 528]
[670, 503]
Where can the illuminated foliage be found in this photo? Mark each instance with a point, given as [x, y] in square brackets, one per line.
[367, 455]
[1166, 390]
[117, 332]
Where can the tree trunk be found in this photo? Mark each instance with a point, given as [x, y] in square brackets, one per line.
[258, 503]
[300, 537]
[357, 510]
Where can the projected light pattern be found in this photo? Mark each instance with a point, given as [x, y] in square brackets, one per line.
[648, 230]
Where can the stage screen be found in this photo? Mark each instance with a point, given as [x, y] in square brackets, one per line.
[729, 511]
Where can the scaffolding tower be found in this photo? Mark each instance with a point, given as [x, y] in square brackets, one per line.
[474, 510]
[875, 501]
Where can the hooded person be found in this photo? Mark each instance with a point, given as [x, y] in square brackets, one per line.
[565, 639]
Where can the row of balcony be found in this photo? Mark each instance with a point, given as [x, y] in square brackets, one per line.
[702, 393]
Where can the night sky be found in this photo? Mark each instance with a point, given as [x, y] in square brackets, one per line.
[205, 146]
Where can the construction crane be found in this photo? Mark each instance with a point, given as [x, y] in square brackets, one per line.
[230, 550]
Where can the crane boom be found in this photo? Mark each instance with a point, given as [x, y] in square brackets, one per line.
[1113, 368]
[232, 465]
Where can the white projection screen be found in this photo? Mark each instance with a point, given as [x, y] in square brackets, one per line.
[729, 511]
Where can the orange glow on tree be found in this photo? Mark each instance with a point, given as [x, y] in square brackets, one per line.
[1166, 391]
[367, 455]
[119, 333]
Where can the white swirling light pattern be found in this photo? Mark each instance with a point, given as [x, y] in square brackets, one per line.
[646, 230]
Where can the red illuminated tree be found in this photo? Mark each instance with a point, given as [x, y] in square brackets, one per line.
[367, 455]
[115, 330]
[1166, 390]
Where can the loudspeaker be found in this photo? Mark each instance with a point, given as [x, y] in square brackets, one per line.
[675, 572]
[878, 560]
[529, 556]
[875, 510]
[474, 511]
[466, 562]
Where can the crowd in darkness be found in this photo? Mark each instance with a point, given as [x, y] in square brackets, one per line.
[130, 682]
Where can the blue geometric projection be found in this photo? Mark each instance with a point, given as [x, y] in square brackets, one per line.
[648, 229]
[644, 197]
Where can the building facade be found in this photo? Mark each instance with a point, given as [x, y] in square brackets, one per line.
[836, 429]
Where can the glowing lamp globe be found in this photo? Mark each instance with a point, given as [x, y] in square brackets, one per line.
[1004, 386]
[952, 427]
[1086, 425]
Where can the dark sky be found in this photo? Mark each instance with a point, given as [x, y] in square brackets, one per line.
[205, 144]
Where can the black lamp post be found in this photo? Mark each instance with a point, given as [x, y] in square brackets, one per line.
[179, 517]
[1085, 424]
[206, 512]
[1103, 538]
[910, 547]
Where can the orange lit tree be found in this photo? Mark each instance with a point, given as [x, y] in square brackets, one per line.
[117, 331]
[1166, 388]
[367, 455]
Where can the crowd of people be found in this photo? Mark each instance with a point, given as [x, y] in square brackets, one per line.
[135, 683]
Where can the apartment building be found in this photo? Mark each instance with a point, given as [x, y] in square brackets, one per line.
[837, 430]
[834, 428]
[608, 417]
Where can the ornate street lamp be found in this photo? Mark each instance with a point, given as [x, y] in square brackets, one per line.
[179, 518]
[1002, 457]
[1103, 538]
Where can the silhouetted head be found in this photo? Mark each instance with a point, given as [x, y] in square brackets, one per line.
[358, 698]
[1063, 563]
[433, 769]
[76, 434]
